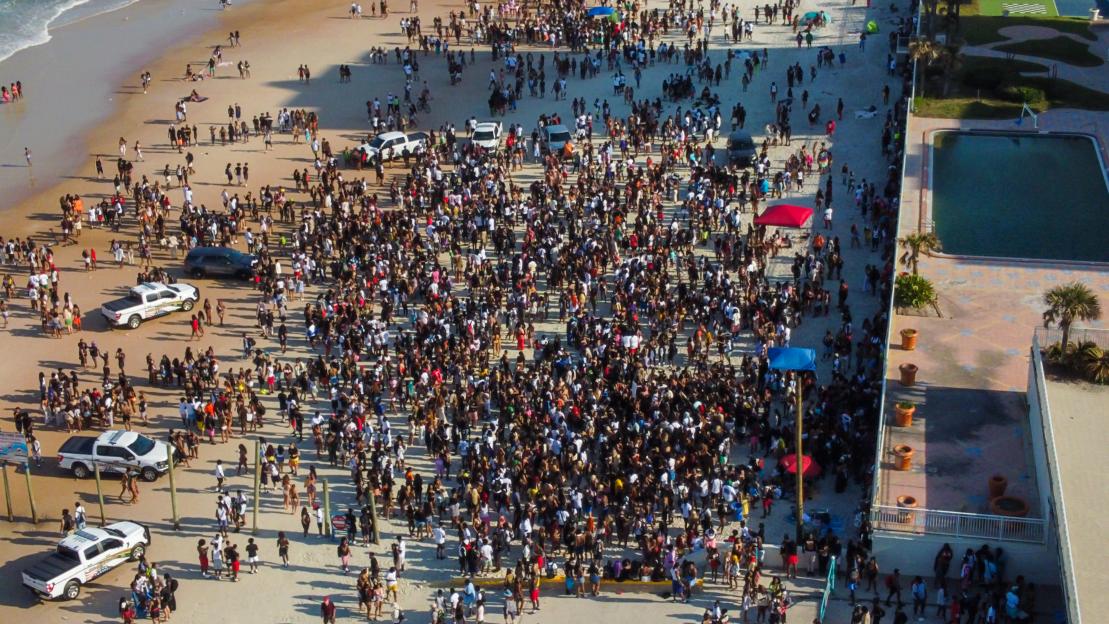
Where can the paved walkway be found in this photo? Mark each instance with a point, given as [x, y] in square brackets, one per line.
[972, 420]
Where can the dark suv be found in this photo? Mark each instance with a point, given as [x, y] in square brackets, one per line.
[219, 262]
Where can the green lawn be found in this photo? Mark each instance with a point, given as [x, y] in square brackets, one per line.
[1062, 49]
[994, 8]
[992, 88]
[981, 19]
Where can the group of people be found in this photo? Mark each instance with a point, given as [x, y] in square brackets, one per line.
[11, 93]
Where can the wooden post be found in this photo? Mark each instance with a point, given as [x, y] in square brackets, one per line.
[373, 516]
[257, 483]
[7, 491]
[99, 492]
[327, 511]
[30, 493]
[173, 490]
[800, 461]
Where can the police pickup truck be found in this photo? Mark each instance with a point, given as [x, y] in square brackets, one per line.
[147, 301]
[84, 555]
[114, 451]
[394, 144]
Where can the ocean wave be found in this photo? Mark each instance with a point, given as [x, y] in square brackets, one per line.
[27, 23]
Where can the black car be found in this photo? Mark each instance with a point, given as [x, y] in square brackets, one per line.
[741, 148]
[219, 262]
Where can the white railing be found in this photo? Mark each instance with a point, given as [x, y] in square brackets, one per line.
[958, 524]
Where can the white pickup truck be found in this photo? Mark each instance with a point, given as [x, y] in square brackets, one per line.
[114, 451]
[149, 300]
[82, 556]
[393, 144]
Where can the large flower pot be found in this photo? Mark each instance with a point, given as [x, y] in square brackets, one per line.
[904, 455]
[908, 374]
[904, 506]
[903, 414]
[997, 484]
[908, 339]
[1013, 506]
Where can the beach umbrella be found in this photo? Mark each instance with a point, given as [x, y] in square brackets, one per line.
[600, 11]
[785, 215]
[809, 467]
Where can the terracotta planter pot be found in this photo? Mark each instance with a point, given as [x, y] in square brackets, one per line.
[903, 416]
[904, 506]
[908, 339]
[997, 485]
[908, 374]
[904, 455]
[1013, 506]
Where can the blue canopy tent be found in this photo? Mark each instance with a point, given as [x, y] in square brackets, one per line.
[600, 11]
[792, 358]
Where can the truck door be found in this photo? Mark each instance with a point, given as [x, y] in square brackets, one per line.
[114, 458]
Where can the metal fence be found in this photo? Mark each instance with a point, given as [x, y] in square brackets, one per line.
[958, 524]
[1048, 336]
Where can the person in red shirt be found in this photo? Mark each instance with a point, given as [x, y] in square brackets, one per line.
[327, 610]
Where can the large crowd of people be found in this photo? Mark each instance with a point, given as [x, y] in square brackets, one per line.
[582, 357]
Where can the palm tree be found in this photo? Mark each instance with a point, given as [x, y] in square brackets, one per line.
[916, 244]
[925, 50]
[1068, 303]
[932, 53]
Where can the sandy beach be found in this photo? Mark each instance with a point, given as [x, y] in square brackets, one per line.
[277, 36]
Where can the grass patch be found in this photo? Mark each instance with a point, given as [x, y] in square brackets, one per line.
[993, 88]
[1062, 49]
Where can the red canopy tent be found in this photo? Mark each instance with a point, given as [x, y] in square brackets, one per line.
[785, 215]
[809, 467]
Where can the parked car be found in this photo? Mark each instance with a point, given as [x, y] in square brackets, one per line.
[147, 301]
[114, 451]
[487, 135]
[83, 556]
[219, 262]
[741, 148]
[392, 144]
[555, 138]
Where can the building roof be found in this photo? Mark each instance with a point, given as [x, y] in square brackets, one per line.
[1078, 429]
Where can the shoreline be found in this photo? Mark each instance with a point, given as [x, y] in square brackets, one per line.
[57, 127]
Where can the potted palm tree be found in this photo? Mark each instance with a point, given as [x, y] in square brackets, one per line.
[903, 412]
[1068, 303]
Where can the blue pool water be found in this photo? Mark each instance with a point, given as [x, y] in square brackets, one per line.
[1019, 195]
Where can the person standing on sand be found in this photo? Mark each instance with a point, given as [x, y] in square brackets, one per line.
[27, 155]
[202, 556]
[327, 610]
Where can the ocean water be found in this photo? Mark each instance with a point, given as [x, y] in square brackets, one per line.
[26, 23]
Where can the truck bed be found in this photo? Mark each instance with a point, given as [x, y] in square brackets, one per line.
[78, 445]
[50, 567]
[121, 304]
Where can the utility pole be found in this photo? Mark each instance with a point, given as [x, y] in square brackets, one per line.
[99, 492]
[173, 490]
[257, 483]
[800, 460]
[30, 492]
[7, 491]
[373, 516]
[328, 529]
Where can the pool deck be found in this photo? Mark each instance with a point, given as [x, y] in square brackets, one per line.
[972, 419]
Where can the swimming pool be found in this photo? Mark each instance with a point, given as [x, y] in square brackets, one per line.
[1019, 195]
